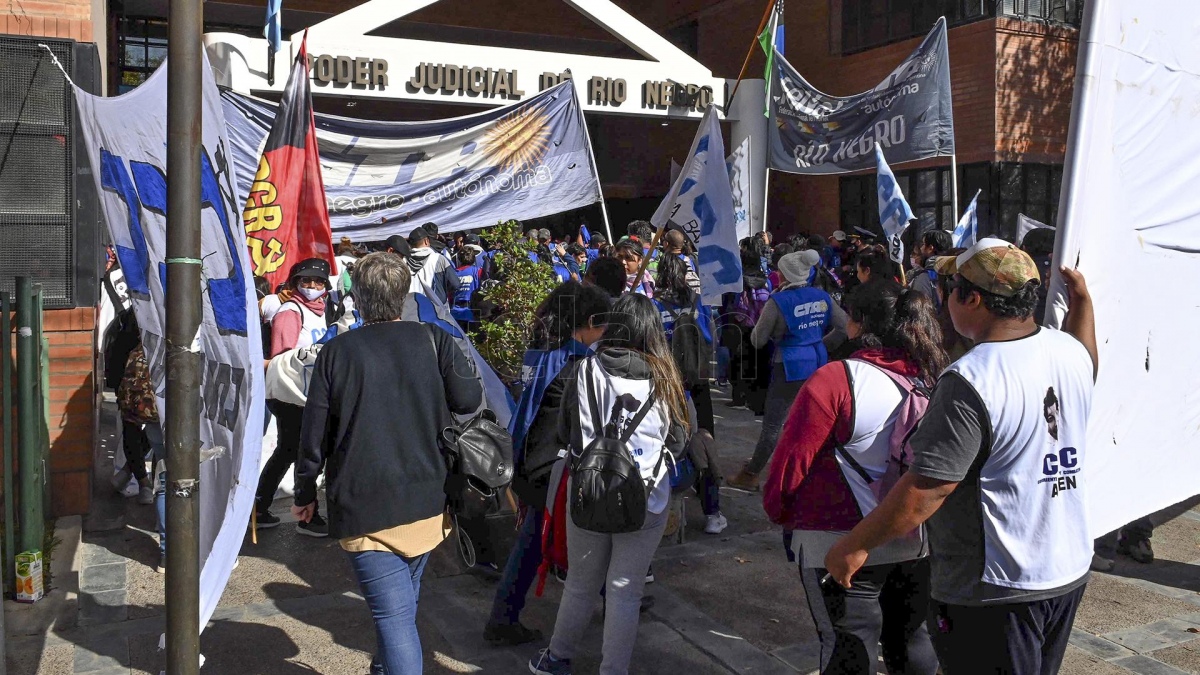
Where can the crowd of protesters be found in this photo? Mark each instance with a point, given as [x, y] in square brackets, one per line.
[922, 436]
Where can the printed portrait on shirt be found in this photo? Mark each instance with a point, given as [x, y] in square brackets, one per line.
[1051, 412]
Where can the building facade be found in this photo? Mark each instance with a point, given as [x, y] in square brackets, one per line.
[1012, 70]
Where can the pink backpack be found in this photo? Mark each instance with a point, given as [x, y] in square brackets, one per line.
[910, 412]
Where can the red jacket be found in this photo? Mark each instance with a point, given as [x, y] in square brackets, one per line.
[805, 488]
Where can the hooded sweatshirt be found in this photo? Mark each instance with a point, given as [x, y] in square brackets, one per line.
[433, 272]
[806, 488]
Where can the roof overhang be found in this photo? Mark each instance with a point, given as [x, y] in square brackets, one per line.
[348, 62]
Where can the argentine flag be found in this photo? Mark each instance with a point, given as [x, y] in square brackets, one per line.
[968, 226]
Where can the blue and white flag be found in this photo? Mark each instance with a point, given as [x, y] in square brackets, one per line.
[523, 161]
[738, 164]
[894, 212]
[273, 26]
[585, 233]
[126, 139]
[700, 204]
[967, 229]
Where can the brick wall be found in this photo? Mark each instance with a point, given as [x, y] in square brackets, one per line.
[1035, 68]
[71, 19]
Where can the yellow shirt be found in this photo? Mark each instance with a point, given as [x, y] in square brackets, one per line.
[409, 540]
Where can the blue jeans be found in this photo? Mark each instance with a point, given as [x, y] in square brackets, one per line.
[520, 571]
[391, 585]
[154, 435]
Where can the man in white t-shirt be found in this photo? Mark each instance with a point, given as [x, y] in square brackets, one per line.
[999, 473]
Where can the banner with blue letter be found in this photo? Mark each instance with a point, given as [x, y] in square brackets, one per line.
[909, 113]
[126, 142]
[522, 161]
[700, 204]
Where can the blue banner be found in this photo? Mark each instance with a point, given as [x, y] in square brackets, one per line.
[522, 161]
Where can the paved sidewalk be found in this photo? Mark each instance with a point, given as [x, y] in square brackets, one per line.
[722, 604]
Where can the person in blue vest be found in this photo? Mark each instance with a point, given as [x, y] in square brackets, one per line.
[569, 322]
[469, 276]
[796, 319]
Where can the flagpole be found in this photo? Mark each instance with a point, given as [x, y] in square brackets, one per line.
[954, 184]
[595, 169]
[766, 198]
[746, 63]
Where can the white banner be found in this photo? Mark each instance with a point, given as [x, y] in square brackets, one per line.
[738, 164]
[127, 140]
[1131, 222]
[701, 206]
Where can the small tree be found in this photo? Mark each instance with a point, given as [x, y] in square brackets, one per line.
[521, 286]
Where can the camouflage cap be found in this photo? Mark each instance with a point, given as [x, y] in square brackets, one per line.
[994, 265]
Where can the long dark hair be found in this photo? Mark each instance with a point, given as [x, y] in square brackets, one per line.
[635, 324]
[893, 316]
[567, 309]
[670, 285]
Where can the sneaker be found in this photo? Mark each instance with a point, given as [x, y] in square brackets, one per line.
[317, 527]
[120, 479]
[264, 520]
[162, 564]
[545, 664]
[715, 524]
[744, 480]
[650, 575]
[509, 634]
[1140, 551]
[1102, 564]
[145, 495]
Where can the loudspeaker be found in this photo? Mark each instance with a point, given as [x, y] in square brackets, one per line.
[49, 213]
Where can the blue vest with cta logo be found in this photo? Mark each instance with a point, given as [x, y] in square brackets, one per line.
[468, 283]
[806, 311]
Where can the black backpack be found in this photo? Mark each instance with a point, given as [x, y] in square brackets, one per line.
[608, 494]
[479, 466]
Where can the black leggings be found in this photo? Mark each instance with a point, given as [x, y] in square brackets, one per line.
[135, 445]
[887, 606]
[288, 419]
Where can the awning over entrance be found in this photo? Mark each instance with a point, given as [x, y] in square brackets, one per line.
[348, 61]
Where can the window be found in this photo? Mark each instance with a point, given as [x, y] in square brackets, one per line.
[1068, 12]
[1032, 189]
[871, 23]
[1005, 190]
[927, 192]
[141, 47]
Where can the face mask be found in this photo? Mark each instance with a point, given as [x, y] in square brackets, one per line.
[311, 294]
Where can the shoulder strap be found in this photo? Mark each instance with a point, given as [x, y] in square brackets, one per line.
[593, 405]
[637, 419]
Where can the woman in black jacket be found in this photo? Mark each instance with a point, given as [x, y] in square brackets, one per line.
[373, 415]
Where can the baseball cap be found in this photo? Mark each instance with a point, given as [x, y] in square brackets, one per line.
[399, 244]
[838, 235]
[994, 265]
[418, 235]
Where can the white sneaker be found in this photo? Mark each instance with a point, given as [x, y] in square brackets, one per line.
[145, 495]
[716, 524]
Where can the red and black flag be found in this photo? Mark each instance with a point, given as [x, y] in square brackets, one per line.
[285, 216]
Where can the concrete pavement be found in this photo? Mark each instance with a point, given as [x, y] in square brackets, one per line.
[723, 604]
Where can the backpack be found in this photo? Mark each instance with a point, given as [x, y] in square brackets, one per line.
[479, 466]
[687, 344]
[608, 493]
[135, 393]
[750, 303]
[910, 412]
